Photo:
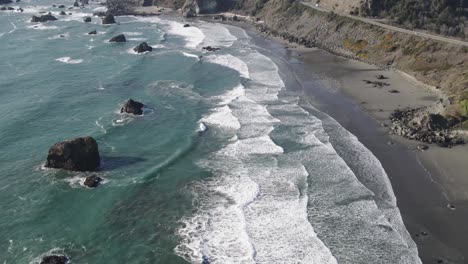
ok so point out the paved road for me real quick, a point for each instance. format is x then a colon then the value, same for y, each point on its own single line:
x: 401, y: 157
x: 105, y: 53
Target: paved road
x: 373, y: 22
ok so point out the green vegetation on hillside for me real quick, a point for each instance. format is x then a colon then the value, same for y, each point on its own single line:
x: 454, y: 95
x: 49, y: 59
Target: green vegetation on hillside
x: 446, y: 17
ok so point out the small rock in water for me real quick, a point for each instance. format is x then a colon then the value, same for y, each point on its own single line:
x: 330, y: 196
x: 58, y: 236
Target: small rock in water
x: 132, y: 107
x: 61, y: 6
x: 209, y: 48
x: 76, y: 4
x: 108, y: 19
x: 119, y: 38
x: 143, y: 47
x: 92, y: 181
x: 62, y: 13
x: 54, y: 259
x: 394, y: 91
x: 43, y: 18
x: 186, y: 25
x: 87, y: 19
x: 423, y: 147
x: 451, y: 206
x: 94, y: 32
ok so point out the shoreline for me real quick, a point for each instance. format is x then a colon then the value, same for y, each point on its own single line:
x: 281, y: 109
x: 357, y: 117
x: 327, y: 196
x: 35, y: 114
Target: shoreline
x: 423, y: 182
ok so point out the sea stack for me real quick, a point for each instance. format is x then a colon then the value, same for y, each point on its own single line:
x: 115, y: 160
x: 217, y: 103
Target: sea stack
x: 108, y: 19
x: 132, y: 107
x: 143, y: 47
x: 79, y: 154
x: 119, y: 38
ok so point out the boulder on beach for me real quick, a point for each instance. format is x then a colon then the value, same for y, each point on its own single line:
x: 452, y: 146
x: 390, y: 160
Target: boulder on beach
x: 92, y: 181
x: 119, y: 38
x: 87, y: 19
x: 434, y: 122
x: 143, y: 47
x: 132, y: 107
x: 190, y: 9
x: 108, y: 19
x: 54, y: 259
x: 79, y: 154
x: 94, y: 32
x: 43, y: 18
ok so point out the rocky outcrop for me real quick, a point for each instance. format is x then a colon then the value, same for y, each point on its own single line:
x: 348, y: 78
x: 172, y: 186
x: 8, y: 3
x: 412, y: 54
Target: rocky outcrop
x: 43, y: 18
x: 108, y: 19
x: 143, y: 47
x: 418, y: 124
x: 92, y: 181
x: 132, y: 107
x: 190, y: 9
x: 54, y: 259
x: 119, y: 38
x: 79, y: 154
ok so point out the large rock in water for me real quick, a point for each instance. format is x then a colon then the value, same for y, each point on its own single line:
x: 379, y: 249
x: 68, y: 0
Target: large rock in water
x: 92, y: 181
x: 132, y: 107
x: 79, y: 154
x: 119, y: 38
x: 54, y: 259
x: 190, y: 9
x: 43, y: 18
x: 108, y: 19
x: 143, y: 47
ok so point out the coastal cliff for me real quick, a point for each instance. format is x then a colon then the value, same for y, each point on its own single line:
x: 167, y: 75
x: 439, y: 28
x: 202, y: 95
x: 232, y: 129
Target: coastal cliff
x: 435, y: 63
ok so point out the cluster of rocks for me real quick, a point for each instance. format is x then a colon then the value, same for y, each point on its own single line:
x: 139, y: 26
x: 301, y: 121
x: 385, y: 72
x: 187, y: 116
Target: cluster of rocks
x: 9, y: 8
x: 418, y: 124
x: 82, y: 154
x: 376, y: 83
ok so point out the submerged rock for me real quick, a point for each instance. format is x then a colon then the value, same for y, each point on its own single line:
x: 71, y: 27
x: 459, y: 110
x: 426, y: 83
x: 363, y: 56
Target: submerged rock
x: 94, y: 32
x: 92, y: 181
x: 132, y: 107
x: 108, y: 19
x: 43, y: 18
x: 119, y: 38
x: 87, y: 19
x: 79, y: 154
x: 143, y: 47
x: 54, y: 259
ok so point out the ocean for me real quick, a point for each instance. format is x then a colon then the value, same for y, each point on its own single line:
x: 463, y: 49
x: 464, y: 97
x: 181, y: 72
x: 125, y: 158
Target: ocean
x: 226, y: 165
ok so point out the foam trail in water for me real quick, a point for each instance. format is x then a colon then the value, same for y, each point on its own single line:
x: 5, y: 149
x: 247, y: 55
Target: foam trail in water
x: 68, y: 60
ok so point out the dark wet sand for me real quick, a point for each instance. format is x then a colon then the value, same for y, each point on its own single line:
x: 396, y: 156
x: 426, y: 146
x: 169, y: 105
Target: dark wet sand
x: 334, y: 85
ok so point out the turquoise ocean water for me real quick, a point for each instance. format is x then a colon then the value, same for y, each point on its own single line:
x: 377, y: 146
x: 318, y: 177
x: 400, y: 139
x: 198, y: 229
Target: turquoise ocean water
x: 225, y: 166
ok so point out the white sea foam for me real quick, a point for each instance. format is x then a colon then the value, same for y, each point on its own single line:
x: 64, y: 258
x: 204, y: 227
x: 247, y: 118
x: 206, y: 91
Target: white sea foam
x: 190, y: 55
x: 137, y: 39
x: 230, y: 62
x: 42, y: 26
x: 68, y: 60
x: 217, y: 35
x: 192, y: 35
x: 222, y: 117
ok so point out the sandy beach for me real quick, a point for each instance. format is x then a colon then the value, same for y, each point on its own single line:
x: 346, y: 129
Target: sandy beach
x: 430, y: 185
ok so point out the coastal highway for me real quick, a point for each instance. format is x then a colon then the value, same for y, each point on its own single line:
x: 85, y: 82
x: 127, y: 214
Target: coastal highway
x: 402, y: 30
